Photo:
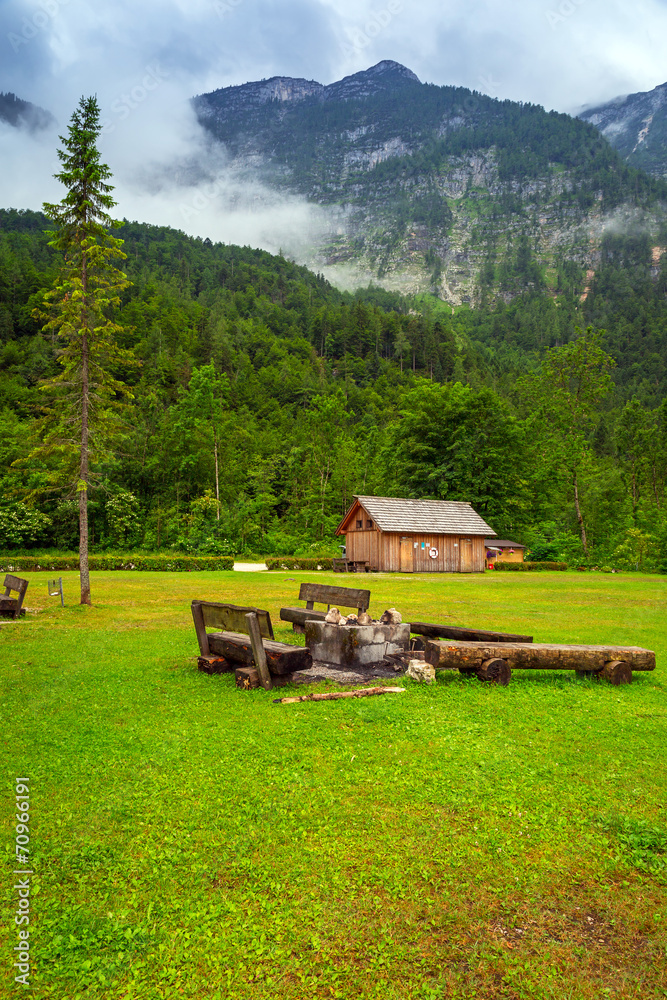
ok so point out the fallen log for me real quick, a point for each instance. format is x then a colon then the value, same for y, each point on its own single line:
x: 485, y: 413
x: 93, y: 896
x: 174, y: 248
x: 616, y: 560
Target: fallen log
x: 464, y: 634
x: 281, y: 658
x: 336, y: 695
x: 469, y: 656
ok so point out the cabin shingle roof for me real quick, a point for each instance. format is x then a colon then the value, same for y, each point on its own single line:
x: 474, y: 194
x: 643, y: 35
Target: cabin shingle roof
x: 434, y: 517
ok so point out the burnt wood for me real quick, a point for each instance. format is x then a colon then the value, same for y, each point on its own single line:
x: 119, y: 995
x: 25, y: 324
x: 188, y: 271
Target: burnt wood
x: 453, y: 654
x: 464, y: 634
x: 281, y: 658
x: 9, y: 604
x: 214, y: 664
x: 247, y: 678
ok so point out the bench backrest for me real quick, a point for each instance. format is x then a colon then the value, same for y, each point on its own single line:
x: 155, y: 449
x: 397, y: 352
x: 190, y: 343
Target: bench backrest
x: 344, y: 597
x: 226, y: 618
x: 17, y: 584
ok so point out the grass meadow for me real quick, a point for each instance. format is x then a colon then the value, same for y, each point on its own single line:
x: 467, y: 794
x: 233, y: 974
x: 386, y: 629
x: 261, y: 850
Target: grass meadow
x: 460, y: 840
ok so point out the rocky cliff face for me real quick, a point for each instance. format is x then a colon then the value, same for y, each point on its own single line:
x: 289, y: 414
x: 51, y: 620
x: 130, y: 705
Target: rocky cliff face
x: 636, y: 126
x: 435, y: 188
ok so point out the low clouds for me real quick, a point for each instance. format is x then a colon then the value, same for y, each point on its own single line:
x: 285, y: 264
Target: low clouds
x: 144, y: 61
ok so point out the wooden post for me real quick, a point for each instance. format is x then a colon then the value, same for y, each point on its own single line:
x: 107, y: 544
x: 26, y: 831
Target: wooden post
x: 258, y: 653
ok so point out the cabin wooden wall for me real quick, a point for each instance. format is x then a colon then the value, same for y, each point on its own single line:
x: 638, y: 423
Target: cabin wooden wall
x: 382, y: 551
x: 363, y: 545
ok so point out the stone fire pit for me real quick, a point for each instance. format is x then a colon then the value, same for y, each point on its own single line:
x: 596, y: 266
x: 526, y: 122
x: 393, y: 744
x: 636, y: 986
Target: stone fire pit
x: 355, y: 646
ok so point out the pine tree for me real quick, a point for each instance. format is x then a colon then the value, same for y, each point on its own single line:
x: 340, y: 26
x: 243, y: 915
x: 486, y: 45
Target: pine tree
x: 79, y: 417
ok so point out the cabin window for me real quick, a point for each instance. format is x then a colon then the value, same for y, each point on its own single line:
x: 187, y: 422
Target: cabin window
x: 369, y: 524
x: 360, y: 524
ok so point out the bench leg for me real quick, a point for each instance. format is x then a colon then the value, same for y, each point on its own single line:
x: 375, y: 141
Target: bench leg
x: 258, y: 651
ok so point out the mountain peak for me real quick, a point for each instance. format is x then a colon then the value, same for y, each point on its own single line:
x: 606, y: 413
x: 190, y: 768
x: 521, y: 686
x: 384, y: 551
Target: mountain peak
x: 385, y: 75
x: 228, y: 101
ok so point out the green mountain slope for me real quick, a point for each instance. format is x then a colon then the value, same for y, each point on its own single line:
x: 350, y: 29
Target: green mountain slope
x: 436, y: 188
x: 321, y: 394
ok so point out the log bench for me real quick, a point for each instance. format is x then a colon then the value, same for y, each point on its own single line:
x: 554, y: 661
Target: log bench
x: 12, y: 607
x: 470, y: 634
x: 246, y: 639
x: 320, y: 593
x: 494, y: 661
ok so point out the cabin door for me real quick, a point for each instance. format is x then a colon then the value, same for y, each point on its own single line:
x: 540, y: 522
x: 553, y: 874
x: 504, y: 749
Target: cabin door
x: 465, y: 549
x: 407, y: 556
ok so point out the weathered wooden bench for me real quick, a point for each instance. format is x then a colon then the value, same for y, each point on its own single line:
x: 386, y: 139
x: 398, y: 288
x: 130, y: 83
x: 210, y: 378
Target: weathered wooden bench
x: 470, y: 634
x: 350, y: 565
x: 494, y: 661
x: 13, y: 606
x: 246, y: 638
x: 320, y: 593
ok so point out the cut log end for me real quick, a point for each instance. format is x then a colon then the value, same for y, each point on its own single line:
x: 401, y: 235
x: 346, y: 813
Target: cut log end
x: 496, y: 670
x: 247, y: 678
x: 214, y: 664
x: 617, y: 672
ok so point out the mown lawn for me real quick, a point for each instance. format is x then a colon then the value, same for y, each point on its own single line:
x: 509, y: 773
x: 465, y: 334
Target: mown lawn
x: 456, y: 841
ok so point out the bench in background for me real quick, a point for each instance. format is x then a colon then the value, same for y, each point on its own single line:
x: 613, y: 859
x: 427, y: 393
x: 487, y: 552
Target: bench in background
x: 13, y: 606
x: 320, y: 593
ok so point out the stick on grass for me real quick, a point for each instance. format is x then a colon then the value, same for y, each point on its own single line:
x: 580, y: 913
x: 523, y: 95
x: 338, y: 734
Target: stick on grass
x: 335, y: 695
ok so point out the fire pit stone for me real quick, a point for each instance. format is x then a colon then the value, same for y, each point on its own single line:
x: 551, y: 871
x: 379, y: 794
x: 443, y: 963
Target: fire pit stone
x: 355, y: 645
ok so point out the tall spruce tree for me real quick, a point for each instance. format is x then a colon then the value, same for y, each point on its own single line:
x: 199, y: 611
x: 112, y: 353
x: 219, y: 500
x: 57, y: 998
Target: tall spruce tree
x: 79, y: 416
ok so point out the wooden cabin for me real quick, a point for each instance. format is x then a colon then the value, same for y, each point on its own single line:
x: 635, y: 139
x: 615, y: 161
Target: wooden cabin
x: 502, y: 550
x: 391, y: 535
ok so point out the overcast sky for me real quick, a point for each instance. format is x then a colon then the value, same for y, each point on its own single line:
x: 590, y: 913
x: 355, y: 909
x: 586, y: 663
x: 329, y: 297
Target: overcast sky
x: 564, y: 54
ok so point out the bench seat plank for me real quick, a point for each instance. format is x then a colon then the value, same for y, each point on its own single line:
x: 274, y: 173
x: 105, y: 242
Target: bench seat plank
x: 301, y: 615
x: 469, y: 634
x: 281, y: 658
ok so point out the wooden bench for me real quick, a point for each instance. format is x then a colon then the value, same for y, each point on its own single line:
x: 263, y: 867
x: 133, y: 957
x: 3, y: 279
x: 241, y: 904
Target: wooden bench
x: 350, y: 565
x: 469, y: 634
x: 494, y: 661
x: 13, y: 606
x: 246, y: 638
x: 339, y: 597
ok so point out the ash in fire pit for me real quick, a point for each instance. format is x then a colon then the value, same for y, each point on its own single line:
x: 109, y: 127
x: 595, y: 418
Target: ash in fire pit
x: 350, y: 642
